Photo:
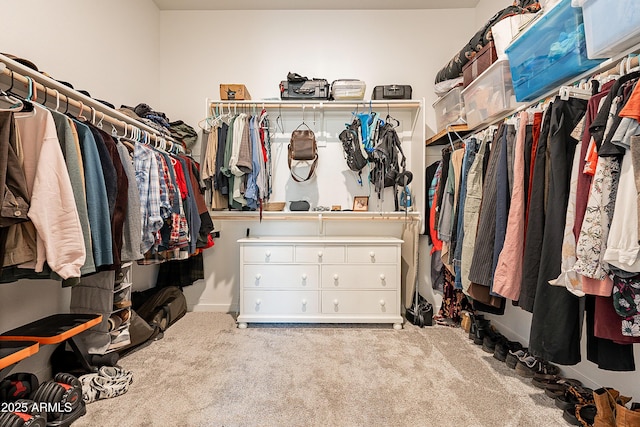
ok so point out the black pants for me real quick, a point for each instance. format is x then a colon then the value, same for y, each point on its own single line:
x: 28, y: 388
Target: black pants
x: 556, y: 324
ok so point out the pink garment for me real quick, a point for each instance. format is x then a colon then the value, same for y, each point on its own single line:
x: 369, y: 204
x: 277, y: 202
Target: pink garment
x: 53, y: 209
x: 602, y: 288
x: 508, y: 274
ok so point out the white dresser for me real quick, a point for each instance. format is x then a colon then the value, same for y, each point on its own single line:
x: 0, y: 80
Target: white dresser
x: 320, y: 280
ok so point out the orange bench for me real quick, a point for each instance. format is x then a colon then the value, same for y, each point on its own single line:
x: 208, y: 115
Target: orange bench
x: 11, y: 352
x: 55, y: 329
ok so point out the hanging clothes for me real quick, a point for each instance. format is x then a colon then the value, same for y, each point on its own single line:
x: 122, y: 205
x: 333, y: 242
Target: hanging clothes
x: 59, y: 240
x: 556, y: 324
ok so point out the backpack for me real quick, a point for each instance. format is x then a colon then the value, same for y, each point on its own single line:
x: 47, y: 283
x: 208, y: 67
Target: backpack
x: 385, y: 157
x: 162, y: 307
x: 352, y: 147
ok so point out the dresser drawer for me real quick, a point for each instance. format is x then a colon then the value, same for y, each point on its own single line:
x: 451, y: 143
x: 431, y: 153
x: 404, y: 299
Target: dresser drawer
x: 360, y: 302
x: 320, y: 254
x: 268, y: 254
x: 280, y: 302
x: 372, y: 254
x: 279, y: 276
x: 380, y: 276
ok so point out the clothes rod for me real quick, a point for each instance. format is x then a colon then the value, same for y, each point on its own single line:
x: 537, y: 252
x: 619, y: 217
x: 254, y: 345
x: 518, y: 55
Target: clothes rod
x: 58, y: 95
x: 325, y: 216
x: 318, y: 103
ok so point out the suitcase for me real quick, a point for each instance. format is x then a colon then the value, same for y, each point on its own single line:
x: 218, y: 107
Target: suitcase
x: 391, y: 92
x: 308, y: 89
x: 348, y: 89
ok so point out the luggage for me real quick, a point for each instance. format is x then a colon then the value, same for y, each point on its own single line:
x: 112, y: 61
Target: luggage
x: 347, y: 89
x: 162, y: 307
x: 308, y: 89
x: 391, y: 92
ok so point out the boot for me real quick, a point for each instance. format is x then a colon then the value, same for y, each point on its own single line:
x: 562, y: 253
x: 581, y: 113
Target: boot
x: 628, y: 417
x: 482, y: 326
x: 474, y: 324
x: 606, y: 399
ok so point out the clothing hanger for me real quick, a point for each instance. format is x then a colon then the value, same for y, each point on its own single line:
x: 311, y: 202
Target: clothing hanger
x: 99, y: 125
x: 15, y: 103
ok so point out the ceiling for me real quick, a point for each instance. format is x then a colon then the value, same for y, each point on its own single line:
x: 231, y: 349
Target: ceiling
x: 312, y: 4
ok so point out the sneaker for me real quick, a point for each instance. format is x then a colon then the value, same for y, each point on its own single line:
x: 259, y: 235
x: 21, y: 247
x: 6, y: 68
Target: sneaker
x: 108, y: 382
x: 531, y: 365
x: 490, y: 340
x: 503, y: 347
x: 514, y: 356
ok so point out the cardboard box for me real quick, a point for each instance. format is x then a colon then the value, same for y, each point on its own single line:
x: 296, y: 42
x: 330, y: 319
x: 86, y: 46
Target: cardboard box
x: 234, y: 92
x: 483, y: 59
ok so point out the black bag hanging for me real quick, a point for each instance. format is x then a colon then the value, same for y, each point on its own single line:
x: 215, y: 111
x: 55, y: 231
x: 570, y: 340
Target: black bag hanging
x: 353, y: 149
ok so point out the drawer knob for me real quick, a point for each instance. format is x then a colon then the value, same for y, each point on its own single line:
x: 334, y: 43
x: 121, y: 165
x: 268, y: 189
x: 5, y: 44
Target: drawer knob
x: 304, y: 276
x: 320, y: 254
x: 304, y: 302
x: 382, y: 277
x: 267, y: 254
x: 258, y: 276
x: 258, y: 302
x: 382, y: 303
x: 335, y: 276
x: 335, y: 302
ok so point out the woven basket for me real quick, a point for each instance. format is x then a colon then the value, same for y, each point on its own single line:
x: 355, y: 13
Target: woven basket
x: 274, y: 206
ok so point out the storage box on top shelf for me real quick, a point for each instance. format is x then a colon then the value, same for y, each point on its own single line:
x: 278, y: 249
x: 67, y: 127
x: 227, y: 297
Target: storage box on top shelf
x: 610, y: 27
x: 550, y: 52
x: 490, y: 95
x: 449, y: 109
x: 348, y: 89
x: 234, y: 92
x: 483, y: 59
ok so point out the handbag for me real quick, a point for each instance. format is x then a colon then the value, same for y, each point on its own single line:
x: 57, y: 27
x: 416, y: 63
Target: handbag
x: 421, y: 312
x: 303, y: 147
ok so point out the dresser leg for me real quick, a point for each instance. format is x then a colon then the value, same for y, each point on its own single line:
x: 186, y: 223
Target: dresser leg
x: 242, y: 325
x: 397, y: 326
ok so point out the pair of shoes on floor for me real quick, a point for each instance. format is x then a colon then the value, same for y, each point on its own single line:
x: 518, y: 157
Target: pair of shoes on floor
x: 503, y: 347
x: 108, y: 382
x: 529, y: 365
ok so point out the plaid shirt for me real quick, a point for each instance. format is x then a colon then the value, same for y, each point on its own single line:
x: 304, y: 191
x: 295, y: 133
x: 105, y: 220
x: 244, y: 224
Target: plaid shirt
x: 148, y: 181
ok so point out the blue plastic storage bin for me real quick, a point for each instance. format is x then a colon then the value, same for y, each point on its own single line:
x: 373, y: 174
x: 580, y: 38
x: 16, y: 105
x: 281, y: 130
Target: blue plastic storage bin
x: 549, y: 53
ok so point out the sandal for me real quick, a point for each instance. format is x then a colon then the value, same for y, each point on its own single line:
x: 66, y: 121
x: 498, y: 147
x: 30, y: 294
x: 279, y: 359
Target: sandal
x: 560, y: 386
x: 575, y: 395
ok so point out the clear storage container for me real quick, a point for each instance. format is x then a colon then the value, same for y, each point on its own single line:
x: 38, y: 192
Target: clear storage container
x: 610, y: 27
x: 348, y: 89
x: 449, y: 109
x: 550, y: 52
x: 490, y: 95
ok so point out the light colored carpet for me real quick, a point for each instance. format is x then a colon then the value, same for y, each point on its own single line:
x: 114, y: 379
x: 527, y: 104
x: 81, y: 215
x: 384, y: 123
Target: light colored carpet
x: 205, y: 372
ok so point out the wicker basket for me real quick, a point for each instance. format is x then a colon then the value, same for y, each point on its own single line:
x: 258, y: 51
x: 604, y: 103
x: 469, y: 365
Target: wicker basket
x: 274, y: 206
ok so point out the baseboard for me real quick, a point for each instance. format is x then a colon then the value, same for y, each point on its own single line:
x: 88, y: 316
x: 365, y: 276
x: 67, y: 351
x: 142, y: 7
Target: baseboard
x: 217, y: 308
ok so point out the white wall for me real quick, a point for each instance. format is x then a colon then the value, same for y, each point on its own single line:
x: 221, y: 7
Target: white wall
x: 259, y: 48
x: 109, y: 48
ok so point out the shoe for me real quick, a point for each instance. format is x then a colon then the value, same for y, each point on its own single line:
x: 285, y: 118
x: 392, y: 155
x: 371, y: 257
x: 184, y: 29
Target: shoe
x: 531, y: 365
x: 108, y: 382
x: 606, y: 399
x: 490, y: 340
x: 628, y: 417
x: 482, y: 326
x: 474, y: 324
x: 575, y: 395
x: 514, y: 356
x: 558, y: 387
x: 580, y: 415
x: 503, y: 347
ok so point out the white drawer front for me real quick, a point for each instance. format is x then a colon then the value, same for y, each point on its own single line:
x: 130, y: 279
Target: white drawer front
x: 268, y: 254
x: 359, y: 302
x: 382, y: 276
x: 320, y: 254
x: 280, y: 302
x: 372, y: 254
x: 280, y: 276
